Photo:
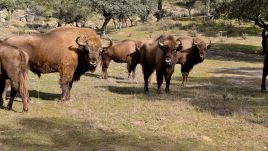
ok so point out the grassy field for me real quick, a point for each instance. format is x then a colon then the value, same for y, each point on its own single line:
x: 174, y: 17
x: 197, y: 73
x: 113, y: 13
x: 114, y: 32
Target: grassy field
x: 222, y: 107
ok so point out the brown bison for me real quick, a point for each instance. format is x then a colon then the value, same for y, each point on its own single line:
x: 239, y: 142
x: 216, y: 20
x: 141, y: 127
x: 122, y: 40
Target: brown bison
x: 193, y: 52
x: 121, y: 52
x: 71, y: 51
x: 160, y: 55
x: 14, y: 66
x: 265, y: 62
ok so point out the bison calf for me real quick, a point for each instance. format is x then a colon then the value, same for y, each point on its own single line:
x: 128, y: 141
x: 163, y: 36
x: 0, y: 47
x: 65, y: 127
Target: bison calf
x: 121, y: 52
x: 192, y: 53
x: 14, y: 66
x: 160, y: 55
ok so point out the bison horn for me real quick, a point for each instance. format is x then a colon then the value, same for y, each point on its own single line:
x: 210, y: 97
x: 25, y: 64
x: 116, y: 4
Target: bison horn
x: 194, y: 43
x: 161, y: 43
x: 79, y: 43
x: 111, y: 43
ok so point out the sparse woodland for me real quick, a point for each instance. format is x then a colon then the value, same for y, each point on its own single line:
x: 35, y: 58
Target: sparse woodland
x: 222, y: 107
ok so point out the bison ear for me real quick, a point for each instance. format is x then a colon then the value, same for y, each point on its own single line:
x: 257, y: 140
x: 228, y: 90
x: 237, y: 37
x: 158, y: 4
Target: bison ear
x: 179, y: 45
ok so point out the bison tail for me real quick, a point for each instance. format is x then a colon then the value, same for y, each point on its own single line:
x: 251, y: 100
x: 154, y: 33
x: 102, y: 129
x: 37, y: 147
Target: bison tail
x: 23, y: 84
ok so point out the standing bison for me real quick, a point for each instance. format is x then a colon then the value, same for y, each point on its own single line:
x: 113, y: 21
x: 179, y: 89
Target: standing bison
x: 121, y: 52
x: 265, y: 62
x: 192, y: 53
x: 71, y: 51
x: 160, y: 55
x: 14, y: 66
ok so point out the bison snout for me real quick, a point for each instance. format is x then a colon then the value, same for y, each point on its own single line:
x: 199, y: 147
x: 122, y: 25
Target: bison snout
x: 93, y: 63
x: 168, y: 62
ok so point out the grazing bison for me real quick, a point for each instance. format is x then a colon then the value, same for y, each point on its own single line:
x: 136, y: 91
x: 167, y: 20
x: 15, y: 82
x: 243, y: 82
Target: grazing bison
x: 14, y: 66
x: 121, y: 52
x: 160, y: 55
x: 71, y: 51
x: 265, y: 62
x: 192, y: 53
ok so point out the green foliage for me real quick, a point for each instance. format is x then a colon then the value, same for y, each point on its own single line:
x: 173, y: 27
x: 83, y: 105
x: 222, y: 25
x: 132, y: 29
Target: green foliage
x: 254, y: 10
x: 66, y: 11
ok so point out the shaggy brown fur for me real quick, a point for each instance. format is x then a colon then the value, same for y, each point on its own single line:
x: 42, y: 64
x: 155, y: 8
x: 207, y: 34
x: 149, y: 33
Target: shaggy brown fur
x: 192, y: 53
x: 121, y: 52
x: 71, y: 51
x: 14, y: 66
x: 160, y: 55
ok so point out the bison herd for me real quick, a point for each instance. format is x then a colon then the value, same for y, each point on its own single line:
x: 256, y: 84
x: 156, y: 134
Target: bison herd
x: 72, y: 51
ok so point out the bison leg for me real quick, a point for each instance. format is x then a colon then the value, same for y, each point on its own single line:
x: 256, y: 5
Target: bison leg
x: 105, y: 66
x: 12, y: 97
x: 184, y: 78
x: 167, y: 79
x: 65, y: 89
x: 146, y: 75
x: 159, y: 77
x: 4, y: 94
x: 2, y: 88
x: 68, y: 97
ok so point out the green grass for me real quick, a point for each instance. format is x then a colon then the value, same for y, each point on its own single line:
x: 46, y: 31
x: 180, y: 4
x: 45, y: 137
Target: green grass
x: 222, y: 107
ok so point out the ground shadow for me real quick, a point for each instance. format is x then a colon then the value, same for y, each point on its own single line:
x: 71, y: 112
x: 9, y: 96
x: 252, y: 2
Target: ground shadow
x: 100, y: 76
x: 234, y: 52
x: 44, y: 95
x: 231, y: 91
x: 64, y: 134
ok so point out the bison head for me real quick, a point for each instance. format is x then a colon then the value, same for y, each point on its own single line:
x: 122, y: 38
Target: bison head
x: 90, y: 52
x: 105, y: 47
x: 201, y: 48
x: 169, y: 45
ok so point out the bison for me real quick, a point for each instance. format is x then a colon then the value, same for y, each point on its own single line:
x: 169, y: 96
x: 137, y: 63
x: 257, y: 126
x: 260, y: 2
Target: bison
x: 265, y: 62
x: 14, y: 66
x: 121, y: 52
x: 159, y: 55
x: 71, y: 51
x: 192, y: 53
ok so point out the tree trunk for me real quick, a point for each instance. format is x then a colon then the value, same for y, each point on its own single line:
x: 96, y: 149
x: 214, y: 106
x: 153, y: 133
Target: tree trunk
x: 190, y: 12
x: 208, y: 8
x: 144, y: 17
x: 160, y: 12
x: 107, y: 17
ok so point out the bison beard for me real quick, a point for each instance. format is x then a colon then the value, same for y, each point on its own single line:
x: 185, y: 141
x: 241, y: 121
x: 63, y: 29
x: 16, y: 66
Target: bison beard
x: 61, y: 50
x: 14, y: 64
x: 161, y: 55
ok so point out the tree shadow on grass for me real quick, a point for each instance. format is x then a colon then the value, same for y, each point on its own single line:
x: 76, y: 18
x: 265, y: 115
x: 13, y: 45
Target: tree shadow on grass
x: 65, y: 134
x: 234, y: 52
x: 230, y: 92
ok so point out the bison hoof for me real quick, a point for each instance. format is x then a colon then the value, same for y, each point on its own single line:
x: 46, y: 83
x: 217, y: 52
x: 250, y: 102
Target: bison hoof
x: 9, y: 107
x: 1, y: 103
x: 25, y: 109
x: 159, y: 91
x: 167, y: 91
